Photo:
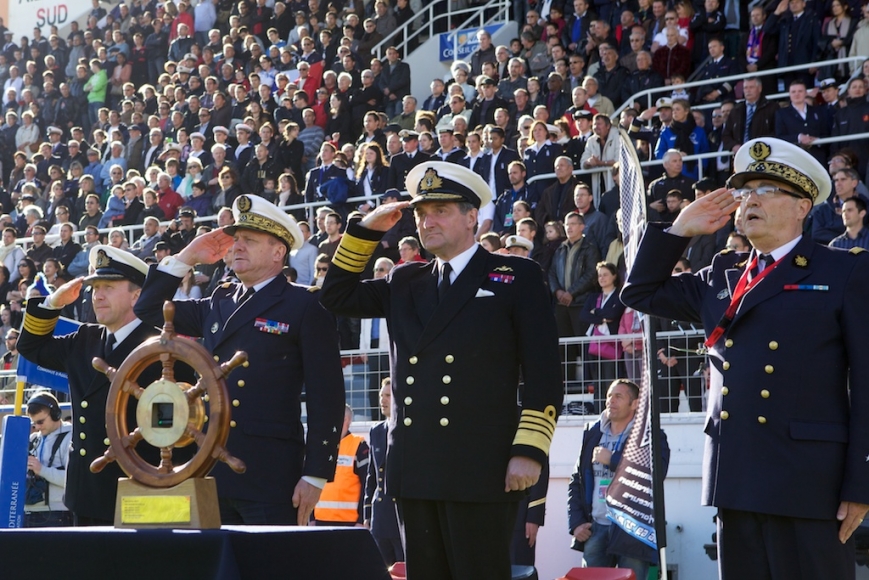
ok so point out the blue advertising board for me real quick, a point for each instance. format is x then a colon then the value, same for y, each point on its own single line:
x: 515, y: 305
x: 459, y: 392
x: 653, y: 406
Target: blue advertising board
x: 31, y: 372
x: 465, y: 43
x: 13, y: 470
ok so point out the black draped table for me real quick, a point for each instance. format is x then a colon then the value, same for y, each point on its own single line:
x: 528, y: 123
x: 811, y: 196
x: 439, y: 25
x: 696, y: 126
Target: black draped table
x: 230, y: 553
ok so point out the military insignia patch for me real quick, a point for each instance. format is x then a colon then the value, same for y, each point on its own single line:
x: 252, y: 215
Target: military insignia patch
x: 801, y: 261
x: 103, y: 261
x: 503, y: 269
x: 214, y: 328
x: 760, y: 151
x: 430, y: 181
x: 271, y: 326
x: 244, y: 203
x: 723, y: 294
x: 502, y: 278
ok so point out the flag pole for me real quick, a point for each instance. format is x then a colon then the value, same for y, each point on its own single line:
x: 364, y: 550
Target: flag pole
x: 635, y: 498
x: 656, y: 388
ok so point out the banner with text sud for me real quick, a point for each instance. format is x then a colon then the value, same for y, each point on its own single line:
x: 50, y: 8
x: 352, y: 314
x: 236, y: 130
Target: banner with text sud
x: 464, y: 44
x: 22, y: 16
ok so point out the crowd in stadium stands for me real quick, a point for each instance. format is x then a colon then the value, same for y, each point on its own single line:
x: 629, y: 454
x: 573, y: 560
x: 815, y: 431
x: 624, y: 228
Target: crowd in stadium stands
x: 153, y: 112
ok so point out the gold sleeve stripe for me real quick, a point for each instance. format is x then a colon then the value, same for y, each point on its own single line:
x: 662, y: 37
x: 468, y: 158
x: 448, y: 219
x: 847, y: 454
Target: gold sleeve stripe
x: 529, y: 421
x: 347, y: 263
x: 532, y: 439
x: 536, y: 503
x: 531, y: 428
x: 358, y: 246
x: 547, y: 417
x: 39, y: 326
x: 353, y: 253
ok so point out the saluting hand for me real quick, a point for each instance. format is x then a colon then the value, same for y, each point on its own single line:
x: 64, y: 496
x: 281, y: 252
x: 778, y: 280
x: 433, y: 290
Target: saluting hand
x: 384, y: 217
x: 207, y: 249
x: 706, y: 215
x: 66, y: 294
x: 522, y: 473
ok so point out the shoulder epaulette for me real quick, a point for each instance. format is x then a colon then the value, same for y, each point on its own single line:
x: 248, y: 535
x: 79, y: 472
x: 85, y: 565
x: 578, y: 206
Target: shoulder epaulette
x: 726, y: 251
x: 856, y: 250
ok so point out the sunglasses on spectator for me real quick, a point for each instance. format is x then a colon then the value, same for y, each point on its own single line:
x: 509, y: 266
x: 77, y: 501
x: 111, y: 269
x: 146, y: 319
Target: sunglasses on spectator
x: 323, y: 269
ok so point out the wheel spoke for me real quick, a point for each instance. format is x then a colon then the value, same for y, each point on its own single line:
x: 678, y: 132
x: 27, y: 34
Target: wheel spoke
x: 165, y: 460
x: 234, y: 463
x: 100, y: 463
x: 133, y: 389
x: 196, y: 434
x: 168, y: 367
x: 195, y: 391
x: 131, y: 440
x: 239, y: 358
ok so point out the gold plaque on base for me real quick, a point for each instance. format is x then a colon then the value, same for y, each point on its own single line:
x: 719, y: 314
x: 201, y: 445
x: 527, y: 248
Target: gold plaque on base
x: 192, y: 504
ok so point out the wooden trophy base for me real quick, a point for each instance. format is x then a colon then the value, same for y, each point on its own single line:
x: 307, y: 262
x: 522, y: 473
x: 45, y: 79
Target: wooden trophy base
x: 191, y: 504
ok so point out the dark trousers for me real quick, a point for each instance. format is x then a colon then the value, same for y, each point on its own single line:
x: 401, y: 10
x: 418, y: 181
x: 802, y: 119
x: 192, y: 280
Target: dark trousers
x: 243, y: 511
x: 521, y: 554
x: 457, y: 540
x: 390, y: 549
x: 753, y: 546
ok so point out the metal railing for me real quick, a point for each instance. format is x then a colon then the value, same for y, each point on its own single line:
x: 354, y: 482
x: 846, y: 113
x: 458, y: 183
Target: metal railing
x: 209, y: 219
x: 431, y: 21
x: 649, y: 94
x: 585, y: 377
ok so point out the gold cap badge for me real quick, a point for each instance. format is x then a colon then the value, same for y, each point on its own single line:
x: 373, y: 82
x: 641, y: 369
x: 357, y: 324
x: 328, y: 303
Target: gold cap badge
x: 431, y: 181
x: 760, y: 151
x: 103, y: 260
x: 244, y: 203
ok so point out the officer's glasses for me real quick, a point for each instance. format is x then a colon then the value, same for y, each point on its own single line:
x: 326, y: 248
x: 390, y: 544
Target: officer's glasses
x: 762, y: 192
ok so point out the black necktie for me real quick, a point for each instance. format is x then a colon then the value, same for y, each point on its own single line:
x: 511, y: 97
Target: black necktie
x: 240, y: 299
x: 109, y: 344
x: 444, y: 285
x: 763, y: 261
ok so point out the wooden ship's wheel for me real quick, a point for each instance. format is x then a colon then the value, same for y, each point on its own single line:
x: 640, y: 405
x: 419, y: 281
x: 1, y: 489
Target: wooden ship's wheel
x: 169, y: 414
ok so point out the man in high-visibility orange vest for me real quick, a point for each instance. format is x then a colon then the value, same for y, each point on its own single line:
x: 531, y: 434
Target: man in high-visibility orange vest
x: 342, y: 499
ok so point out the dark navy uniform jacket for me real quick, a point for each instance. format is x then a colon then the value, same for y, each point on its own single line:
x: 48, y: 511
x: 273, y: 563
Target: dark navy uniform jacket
x: 291, y: 342
x: 88, y: 494
x: 782, y: 436
x: 455, y: 368
x: 379, y: 506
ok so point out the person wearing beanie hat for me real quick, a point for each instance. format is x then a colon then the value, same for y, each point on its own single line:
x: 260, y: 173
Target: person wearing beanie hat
x: 770, y: 315
x: 443, y: 316
x: 291, y: 342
